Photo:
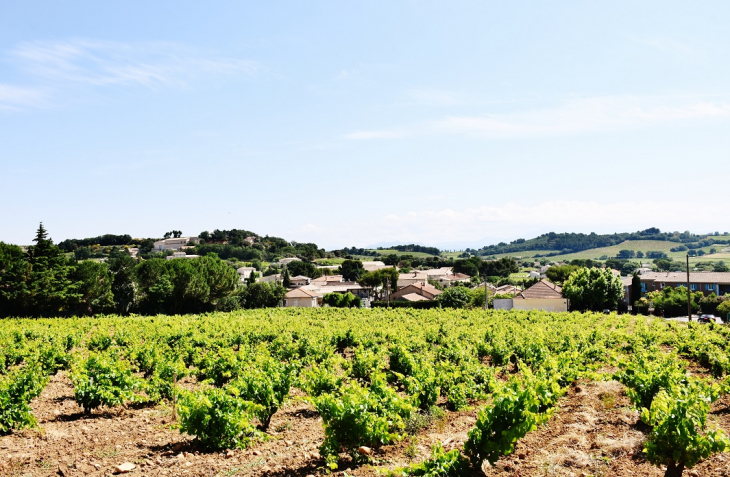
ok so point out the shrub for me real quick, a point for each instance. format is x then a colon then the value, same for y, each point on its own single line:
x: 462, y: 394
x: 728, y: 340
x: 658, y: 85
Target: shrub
x: 217, y: 419
x: 455, y: 297
x: 357, y: 416
x: 266, y: 384
x: 647, y: 374
x: 103, y: 381
x: 678, y: 438
x: 16, y: 391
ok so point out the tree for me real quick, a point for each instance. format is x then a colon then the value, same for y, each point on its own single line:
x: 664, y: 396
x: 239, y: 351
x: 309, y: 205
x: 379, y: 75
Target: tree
x: 378, y: 280
x: 635, y: 291
x: 286, y: 279
x: 307, y: 269
x: 558, y: 274
x: 48, y: 284
x: 673, y: 301
x: 626, y: 254
x: 469, y: 266
x: 455, y: 297
x: 92, y: 288
x: 14, y: 274
x: 351, y: 270
x: 123, y: 287
x: 593, y: 289
x: 262, y: 295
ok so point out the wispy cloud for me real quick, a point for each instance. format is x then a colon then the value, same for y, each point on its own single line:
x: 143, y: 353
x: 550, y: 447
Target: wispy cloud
x: 104, y: 63
x: 14, y: 97
x: 577, y: 116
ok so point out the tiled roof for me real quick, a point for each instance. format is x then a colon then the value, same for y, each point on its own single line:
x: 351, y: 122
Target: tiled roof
x: 301, y: 293
x: 694, y: 277
x: 413, y: 297
x: 542, y: 289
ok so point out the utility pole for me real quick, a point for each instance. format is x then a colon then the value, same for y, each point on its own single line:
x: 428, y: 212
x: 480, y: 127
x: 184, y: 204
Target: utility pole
x: 689, y: 294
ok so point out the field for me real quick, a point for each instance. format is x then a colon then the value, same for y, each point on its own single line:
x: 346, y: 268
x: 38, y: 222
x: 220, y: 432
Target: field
x: 636, y: 245
x: 362, y: 393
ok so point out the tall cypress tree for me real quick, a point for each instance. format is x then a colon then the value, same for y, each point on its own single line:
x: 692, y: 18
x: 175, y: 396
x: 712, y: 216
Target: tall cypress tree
x: 49, y: 288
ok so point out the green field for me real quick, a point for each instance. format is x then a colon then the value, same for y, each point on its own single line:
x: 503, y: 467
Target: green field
x: 636, y: 245
x: 354, y: 381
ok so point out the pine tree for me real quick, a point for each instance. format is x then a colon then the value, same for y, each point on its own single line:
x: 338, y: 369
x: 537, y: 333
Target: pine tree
x: 286, y: 279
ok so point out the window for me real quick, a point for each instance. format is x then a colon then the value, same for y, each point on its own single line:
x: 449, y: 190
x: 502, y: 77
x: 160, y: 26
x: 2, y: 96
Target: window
x: 693, y: 286
x: 709, y: 287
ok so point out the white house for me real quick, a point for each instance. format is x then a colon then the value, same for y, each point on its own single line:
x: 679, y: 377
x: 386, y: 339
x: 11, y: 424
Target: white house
x: 405, y: 279
x: 175, y: 243
x: 245, y: 272
x: 299, y: 281
x: 301, y: 297
x: 180, y: 255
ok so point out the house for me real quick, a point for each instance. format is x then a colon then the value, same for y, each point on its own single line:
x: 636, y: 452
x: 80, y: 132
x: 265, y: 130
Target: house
x: 174, y: 243
x: 277, y: 277
x: 437, y: 273
x: 507, y: 290
x: 453, y: 278
x: 302, y: 297
x: 299, y: 281
x: 180, y: 255
x: 425, y: 290
x: 627, y: 299
x: 706, y: 282
x: 285, y: 261
x: 413, y: 297
x: 133, y: 251
x: 405, y: 279
x: 543, y: 295
x: 535, y: 274
x: 245, y: 272
x: 374, y: 266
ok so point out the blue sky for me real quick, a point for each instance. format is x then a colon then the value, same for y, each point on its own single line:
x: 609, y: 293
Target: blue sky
x: 358, y: 123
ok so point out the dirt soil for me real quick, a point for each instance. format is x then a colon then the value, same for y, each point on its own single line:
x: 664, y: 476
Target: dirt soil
x: 593, y: 432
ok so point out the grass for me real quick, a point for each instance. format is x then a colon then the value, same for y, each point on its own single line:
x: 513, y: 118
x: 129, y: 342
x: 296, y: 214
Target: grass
x: 636, y: 245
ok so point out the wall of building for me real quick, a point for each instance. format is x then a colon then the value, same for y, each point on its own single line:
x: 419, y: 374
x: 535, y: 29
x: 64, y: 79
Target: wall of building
x: 546, y: 304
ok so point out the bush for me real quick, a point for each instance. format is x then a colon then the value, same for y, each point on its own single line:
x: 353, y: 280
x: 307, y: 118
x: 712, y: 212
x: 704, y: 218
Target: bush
x: 103, y: 381
x: 679, y: 438
x: 357, y: 416
x: 723, y: 309
x: 16, y: 391
x: 455, y: 297
x: 265, y: 383
x: 647, y: 374
x: 217, y: 419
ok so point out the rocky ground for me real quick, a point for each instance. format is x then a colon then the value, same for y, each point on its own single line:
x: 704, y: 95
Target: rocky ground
x: 593, y: 432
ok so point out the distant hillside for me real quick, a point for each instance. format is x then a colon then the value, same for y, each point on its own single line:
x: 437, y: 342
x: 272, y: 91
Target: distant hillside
x: 553, y: 244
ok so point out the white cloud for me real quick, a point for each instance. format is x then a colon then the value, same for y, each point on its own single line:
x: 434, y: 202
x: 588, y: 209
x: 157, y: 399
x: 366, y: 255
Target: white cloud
x: 14, y: 97
x: 480, y: 226
x: 579, y: 116
x: 104, y: 63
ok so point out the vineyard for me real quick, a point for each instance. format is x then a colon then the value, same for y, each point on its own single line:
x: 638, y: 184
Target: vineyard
x: 364, y: 392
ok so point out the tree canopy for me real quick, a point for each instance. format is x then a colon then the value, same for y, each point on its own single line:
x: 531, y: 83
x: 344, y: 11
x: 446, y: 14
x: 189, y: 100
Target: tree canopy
x: 593, y: 289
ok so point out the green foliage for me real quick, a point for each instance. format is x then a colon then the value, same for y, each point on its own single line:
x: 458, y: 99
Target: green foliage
x: 455, y: 297
x: 679, y: 437
x: 672, y: 301
x: 217, y: 418
x: 103, y: 380
x: 593, y: 289
x: 559, y: 274
x: 356, y: 416
x: 351, y: 270
x: 646, y: 374
x: 441, y: 464
x: 16, y: 391
x: 266, y: 384
x: 341, y: 300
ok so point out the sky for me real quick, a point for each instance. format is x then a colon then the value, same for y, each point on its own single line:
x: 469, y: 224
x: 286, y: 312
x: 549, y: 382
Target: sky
x: 452, y: 124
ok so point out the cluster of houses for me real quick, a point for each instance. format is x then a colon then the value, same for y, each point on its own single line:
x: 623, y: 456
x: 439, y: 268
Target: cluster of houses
x: 705, y: 282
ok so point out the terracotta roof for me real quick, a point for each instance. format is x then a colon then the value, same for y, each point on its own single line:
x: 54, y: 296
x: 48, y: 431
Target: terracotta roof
x: 301, y: 293
x: 413, y: 297
x: 694, y: 277
x: 427, y: 288
x: 542, y: 289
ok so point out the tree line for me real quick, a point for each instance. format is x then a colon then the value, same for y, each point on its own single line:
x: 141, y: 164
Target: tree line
x: 42, y: 281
